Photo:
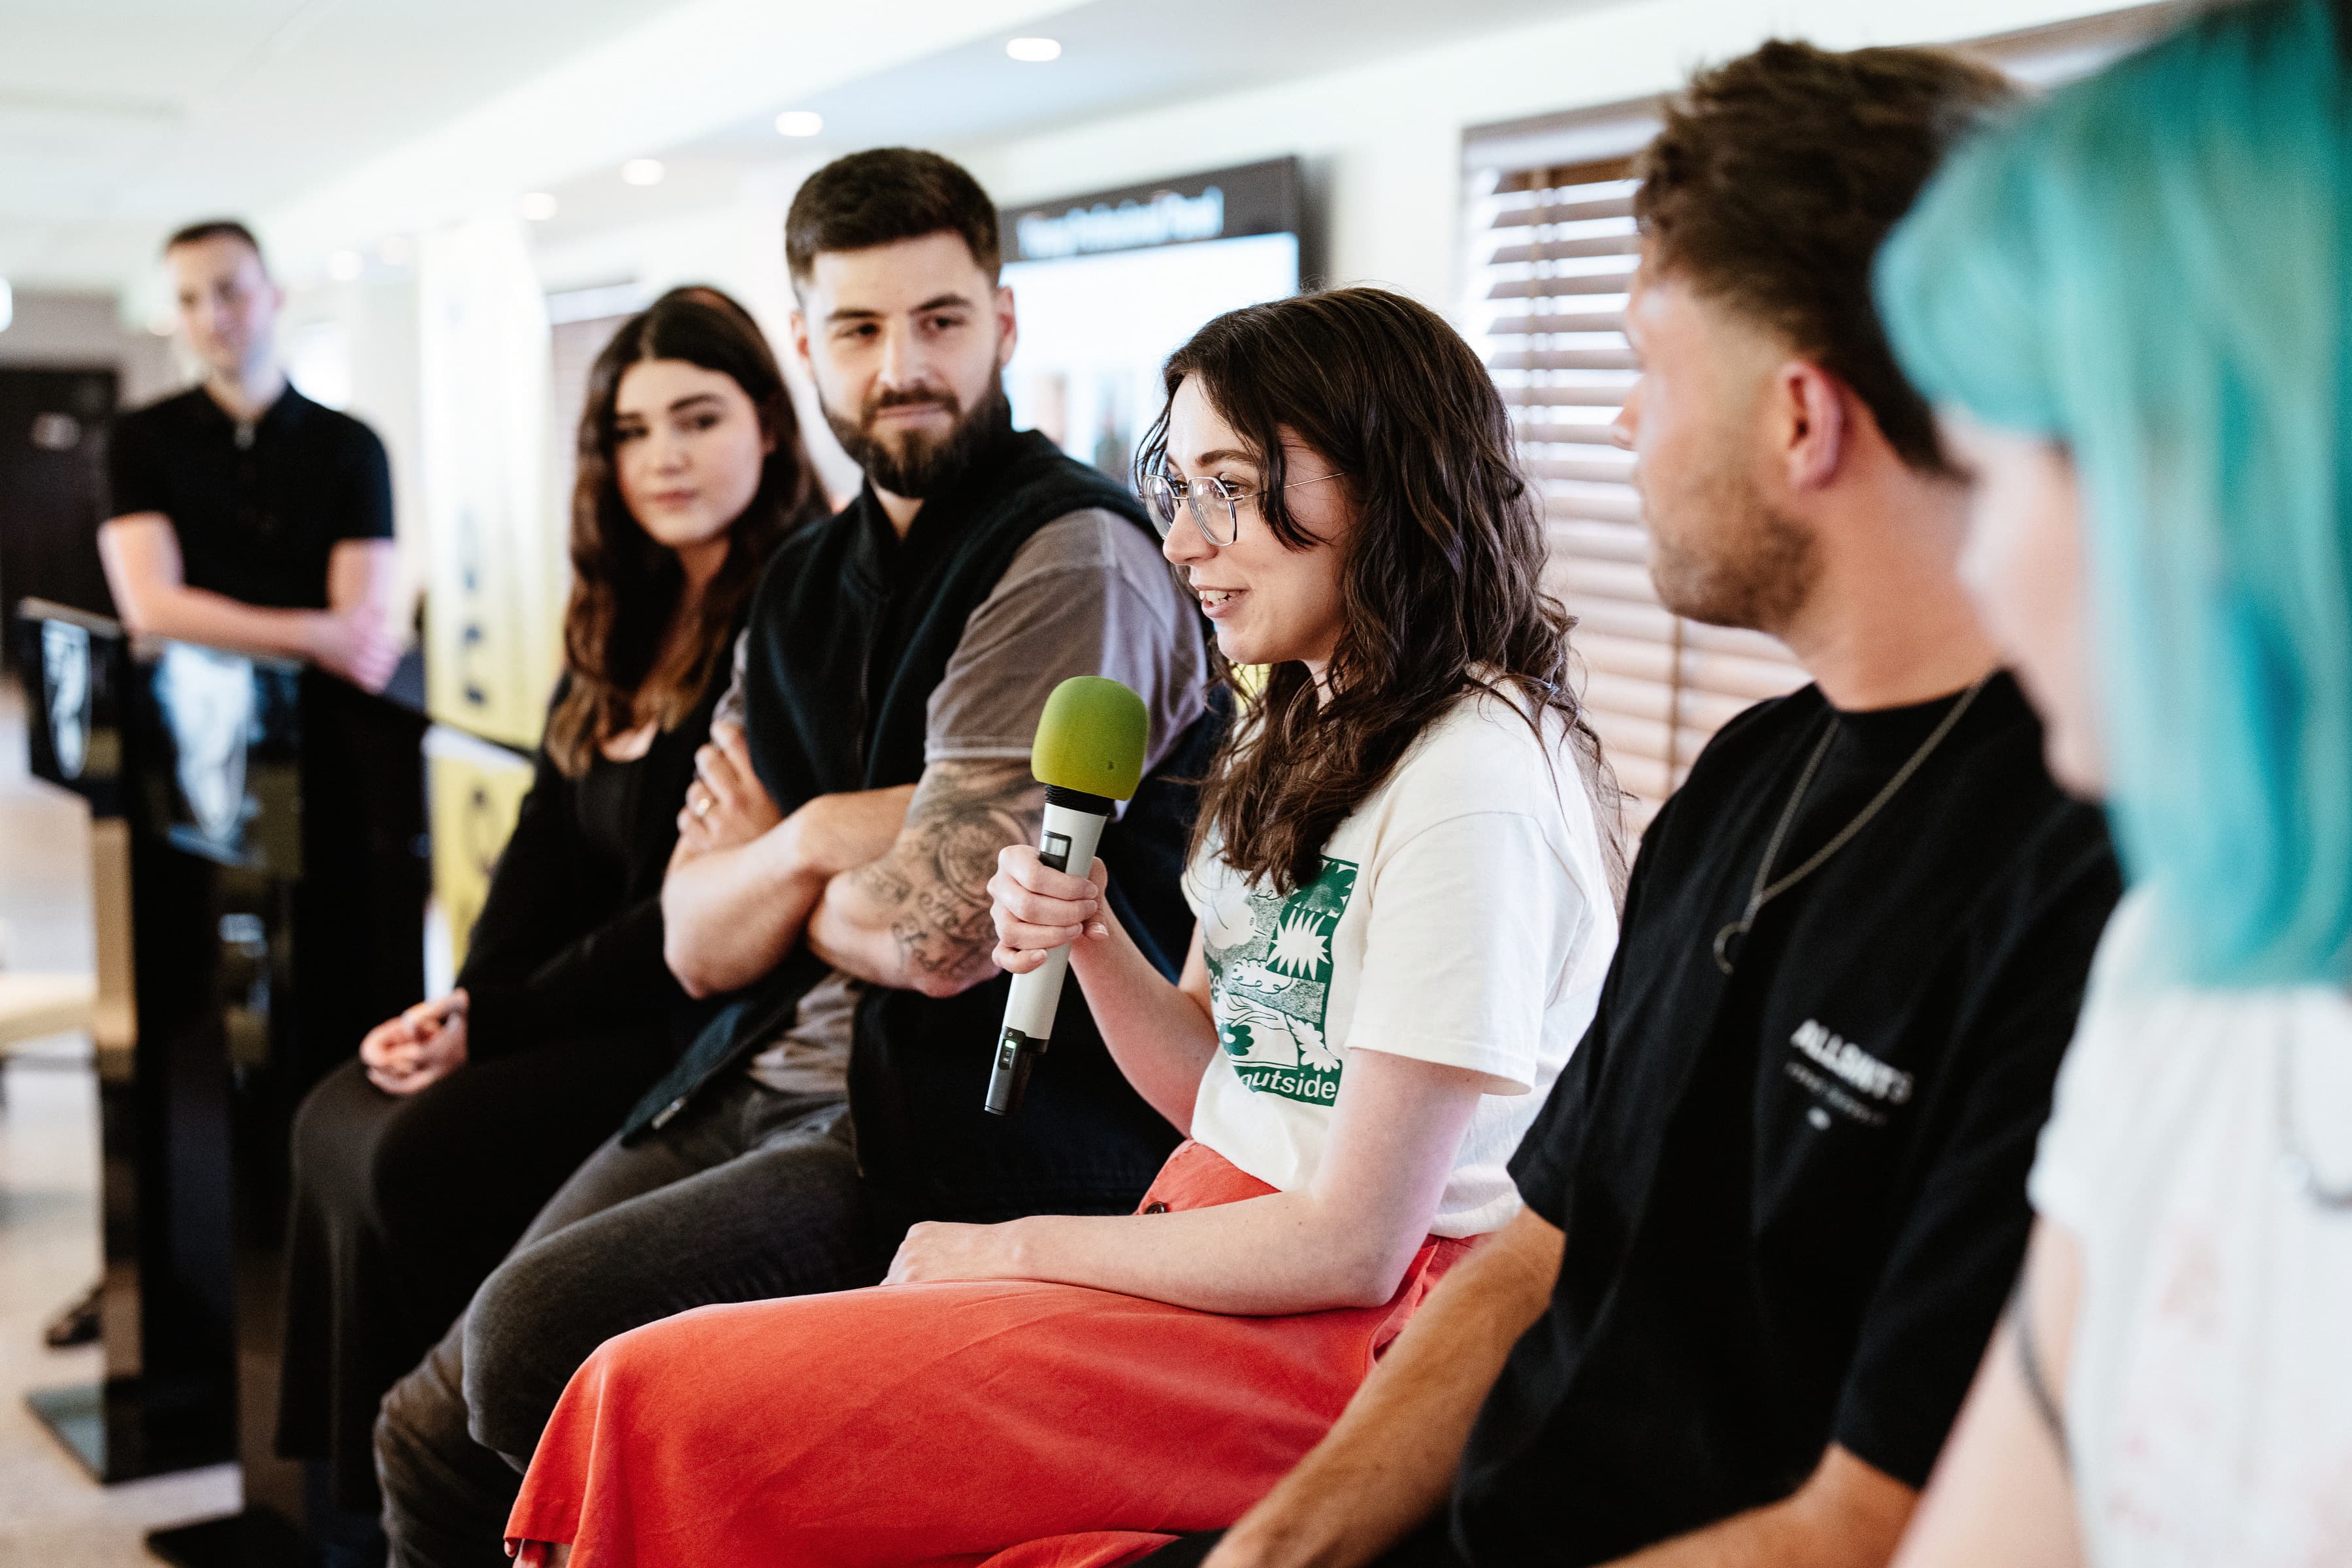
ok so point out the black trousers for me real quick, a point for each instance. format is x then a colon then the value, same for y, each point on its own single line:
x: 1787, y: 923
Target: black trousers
x: 746, y: 1196
x: 402, y: 1205
x: 1428, y: 1547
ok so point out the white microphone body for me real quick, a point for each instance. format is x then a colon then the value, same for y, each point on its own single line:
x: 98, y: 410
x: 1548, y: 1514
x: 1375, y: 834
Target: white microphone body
x: 1066, y: 842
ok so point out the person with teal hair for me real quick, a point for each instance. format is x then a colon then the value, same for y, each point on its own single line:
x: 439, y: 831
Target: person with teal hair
x: 2130, y: 307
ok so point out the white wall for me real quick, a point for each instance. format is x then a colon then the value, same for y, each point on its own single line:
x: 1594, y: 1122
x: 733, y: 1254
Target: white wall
x: 377, y: 320
x: 1383, y: 141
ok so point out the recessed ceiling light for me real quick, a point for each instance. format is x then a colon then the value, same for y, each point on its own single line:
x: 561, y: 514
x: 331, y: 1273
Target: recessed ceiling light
x: 800, y: 122
x: 344, y: 266
x: 641, y: 172
x: 536, y: 205
x: 1036, y: 51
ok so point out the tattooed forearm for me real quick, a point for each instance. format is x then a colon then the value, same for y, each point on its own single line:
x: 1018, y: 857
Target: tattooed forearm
x: 930, y: 892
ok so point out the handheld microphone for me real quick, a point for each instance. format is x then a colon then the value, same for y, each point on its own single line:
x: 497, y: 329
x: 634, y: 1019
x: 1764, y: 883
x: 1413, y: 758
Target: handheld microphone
x: 1089, y: 756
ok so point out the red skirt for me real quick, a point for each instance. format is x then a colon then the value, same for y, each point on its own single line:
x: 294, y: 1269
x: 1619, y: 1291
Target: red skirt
x: 947, y: 1422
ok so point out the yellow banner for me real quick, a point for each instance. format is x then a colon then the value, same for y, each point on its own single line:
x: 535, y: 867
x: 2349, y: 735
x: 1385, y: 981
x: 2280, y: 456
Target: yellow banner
x: 496, y: 546
x: 476, y: 792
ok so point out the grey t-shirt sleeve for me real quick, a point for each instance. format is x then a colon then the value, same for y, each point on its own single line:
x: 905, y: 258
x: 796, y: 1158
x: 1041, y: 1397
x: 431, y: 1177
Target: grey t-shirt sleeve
x: 730, y: 701
x: 1089, y: 593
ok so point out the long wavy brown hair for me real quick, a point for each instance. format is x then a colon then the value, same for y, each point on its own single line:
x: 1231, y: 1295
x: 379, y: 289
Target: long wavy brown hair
x: 625, y: 585
x: 1440, y: 587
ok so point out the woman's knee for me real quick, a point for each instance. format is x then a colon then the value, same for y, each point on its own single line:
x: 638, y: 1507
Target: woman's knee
x: 338, y: 1128
x: 391, y: 1158
x: 410, y: 1165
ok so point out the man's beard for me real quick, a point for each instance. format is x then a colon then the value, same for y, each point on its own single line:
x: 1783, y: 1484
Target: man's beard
x: 917, y: 463
x: 1755, y: 568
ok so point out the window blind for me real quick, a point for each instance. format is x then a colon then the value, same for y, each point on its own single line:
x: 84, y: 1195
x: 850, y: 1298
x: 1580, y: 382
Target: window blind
x: 1553, y: 247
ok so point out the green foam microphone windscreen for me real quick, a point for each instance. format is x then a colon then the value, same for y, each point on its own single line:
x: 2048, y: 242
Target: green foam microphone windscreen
x: 1091, y: 738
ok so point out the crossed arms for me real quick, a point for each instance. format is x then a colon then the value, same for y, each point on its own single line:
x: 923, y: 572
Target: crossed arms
x: 890, y: 886
x: 352, y: 636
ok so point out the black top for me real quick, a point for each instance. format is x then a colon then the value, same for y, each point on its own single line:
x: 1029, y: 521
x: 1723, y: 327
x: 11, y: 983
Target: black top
x: 1794, y: 1199
x: 257, y: 511
x: 570, y: 938
x: 851, y: 633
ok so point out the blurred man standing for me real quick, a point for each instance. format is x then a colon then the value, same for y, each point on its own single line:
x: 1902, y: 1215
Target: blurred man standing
x: 242, y: 513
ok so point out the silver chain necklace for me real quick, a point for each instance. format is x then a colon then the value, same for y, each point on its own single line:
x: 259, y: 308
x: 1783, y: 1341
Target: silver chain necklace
x: 2296, y: 1163
x: 1766, y: 889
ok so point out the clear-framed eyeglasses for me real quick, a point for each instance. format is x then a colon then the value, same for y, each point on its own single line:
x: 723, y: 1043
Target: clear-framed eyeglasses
x: 1215, y: 506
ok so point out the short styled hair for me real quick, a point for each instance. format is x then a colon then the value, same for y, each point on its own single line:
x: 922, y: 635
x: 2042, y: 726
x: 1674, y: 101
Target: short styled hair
x: 215, y: 228
x: 1777, y: 175
x: 883, y: 195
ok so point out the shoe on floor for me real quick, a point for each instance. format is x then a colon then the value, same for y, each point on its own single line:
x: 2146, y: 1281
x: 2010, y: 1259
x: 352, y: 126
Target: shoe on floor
x: 76, y: 1325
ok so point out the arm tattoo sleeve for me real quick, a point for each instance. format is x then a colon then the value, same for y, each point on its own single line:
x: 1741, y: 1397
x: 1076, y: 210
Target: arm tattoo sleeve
x: 931, y: 889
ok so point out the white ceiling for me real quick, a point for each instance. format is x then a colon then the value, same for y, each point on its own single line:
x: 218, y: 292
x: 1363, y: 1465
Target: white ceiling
x: 341, y: 122
x: 1117, y: 54
x: 120, y: 118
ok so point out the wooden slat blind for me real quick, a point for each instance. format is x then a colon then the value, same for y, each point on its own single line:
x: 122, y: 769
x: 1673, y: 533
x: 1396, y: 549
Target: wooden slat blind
x: 1552, y: 249
x: 1552, y: 244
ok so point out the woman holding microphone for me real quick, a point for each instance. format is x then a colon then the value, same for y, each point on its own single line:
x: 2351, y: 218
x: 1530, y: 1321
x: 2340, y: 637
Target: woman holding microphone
x: 1404, y: 876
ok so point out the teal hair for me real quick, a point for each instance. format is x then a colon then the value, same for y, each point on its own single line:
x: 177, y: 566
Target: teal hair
x: 2149, y: 268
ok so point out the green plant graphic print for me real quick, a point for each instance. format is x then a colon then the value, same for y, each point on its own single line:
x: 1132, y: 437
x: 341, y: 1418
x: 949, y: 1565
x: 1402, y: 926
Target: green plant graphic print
x: 1270, y: 982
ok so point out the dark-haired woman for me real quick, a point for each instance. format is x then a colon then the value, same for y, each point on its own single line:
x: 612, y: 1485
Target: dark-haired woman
x: 416, y: 1166
x: 1404, y: 888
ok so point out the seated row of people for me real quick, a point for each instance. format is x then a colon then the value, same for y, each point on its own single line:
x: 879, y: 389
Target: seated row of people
x: 1771, y: 1205
x: 1519, y: 1213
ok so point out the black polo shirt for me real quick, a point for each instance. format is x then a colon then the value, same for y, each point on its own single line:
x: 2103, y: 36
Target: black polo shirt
x: 1794, y: 1199
x: 257, y: 511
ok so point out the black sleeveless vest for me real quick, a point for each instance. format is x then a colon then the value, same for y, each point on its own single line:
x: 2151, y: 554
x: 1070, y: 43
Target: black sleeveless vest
x: 851, y: 629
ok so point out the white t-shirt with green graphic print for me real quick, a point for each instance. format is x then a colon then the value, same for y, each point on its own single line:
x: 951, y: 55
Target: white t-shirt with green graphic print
x: 1463, y: 915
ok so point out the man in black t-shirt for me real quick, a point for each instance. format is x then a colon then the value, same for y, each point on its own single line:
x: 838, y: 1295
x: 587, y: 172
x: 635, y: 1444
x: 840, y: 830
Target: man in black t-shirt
x: 1777, y: 1195
x: 242, y: 513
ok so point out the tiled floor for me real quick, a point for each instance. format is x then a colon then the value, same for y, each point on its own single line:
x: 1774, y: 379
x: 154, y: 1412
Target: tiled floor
x: 51, y: 1514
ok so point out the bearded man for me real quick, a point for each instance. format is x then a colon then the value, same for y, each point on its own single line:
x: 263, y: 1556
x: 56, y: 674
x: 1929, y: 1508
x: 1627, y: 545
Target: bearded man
x: 832, y: 861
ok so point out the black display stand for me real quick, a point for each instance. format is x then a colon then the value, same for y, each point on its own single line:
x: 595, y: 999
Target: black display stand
x: 275, y: 823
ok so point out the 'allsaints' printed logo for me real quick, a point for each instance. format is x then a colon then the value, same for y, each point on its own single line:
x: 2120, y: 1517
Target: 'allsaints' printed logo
x: 1270, y: 983
x: 1851, y: 1063
x: 1834, y: 1069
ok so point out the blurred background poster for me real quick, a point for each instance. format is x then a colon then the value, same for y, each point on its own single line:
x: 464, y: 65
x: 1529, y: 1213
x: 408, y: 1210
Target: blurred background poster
x: 498, y: 572
x: 497, y: 579
x: 1109, y: 283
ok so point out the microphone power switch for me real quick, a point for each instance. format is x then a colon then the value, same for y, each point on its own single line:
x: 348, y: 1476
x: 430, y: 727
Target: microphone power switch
x: 1008, y: 1078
